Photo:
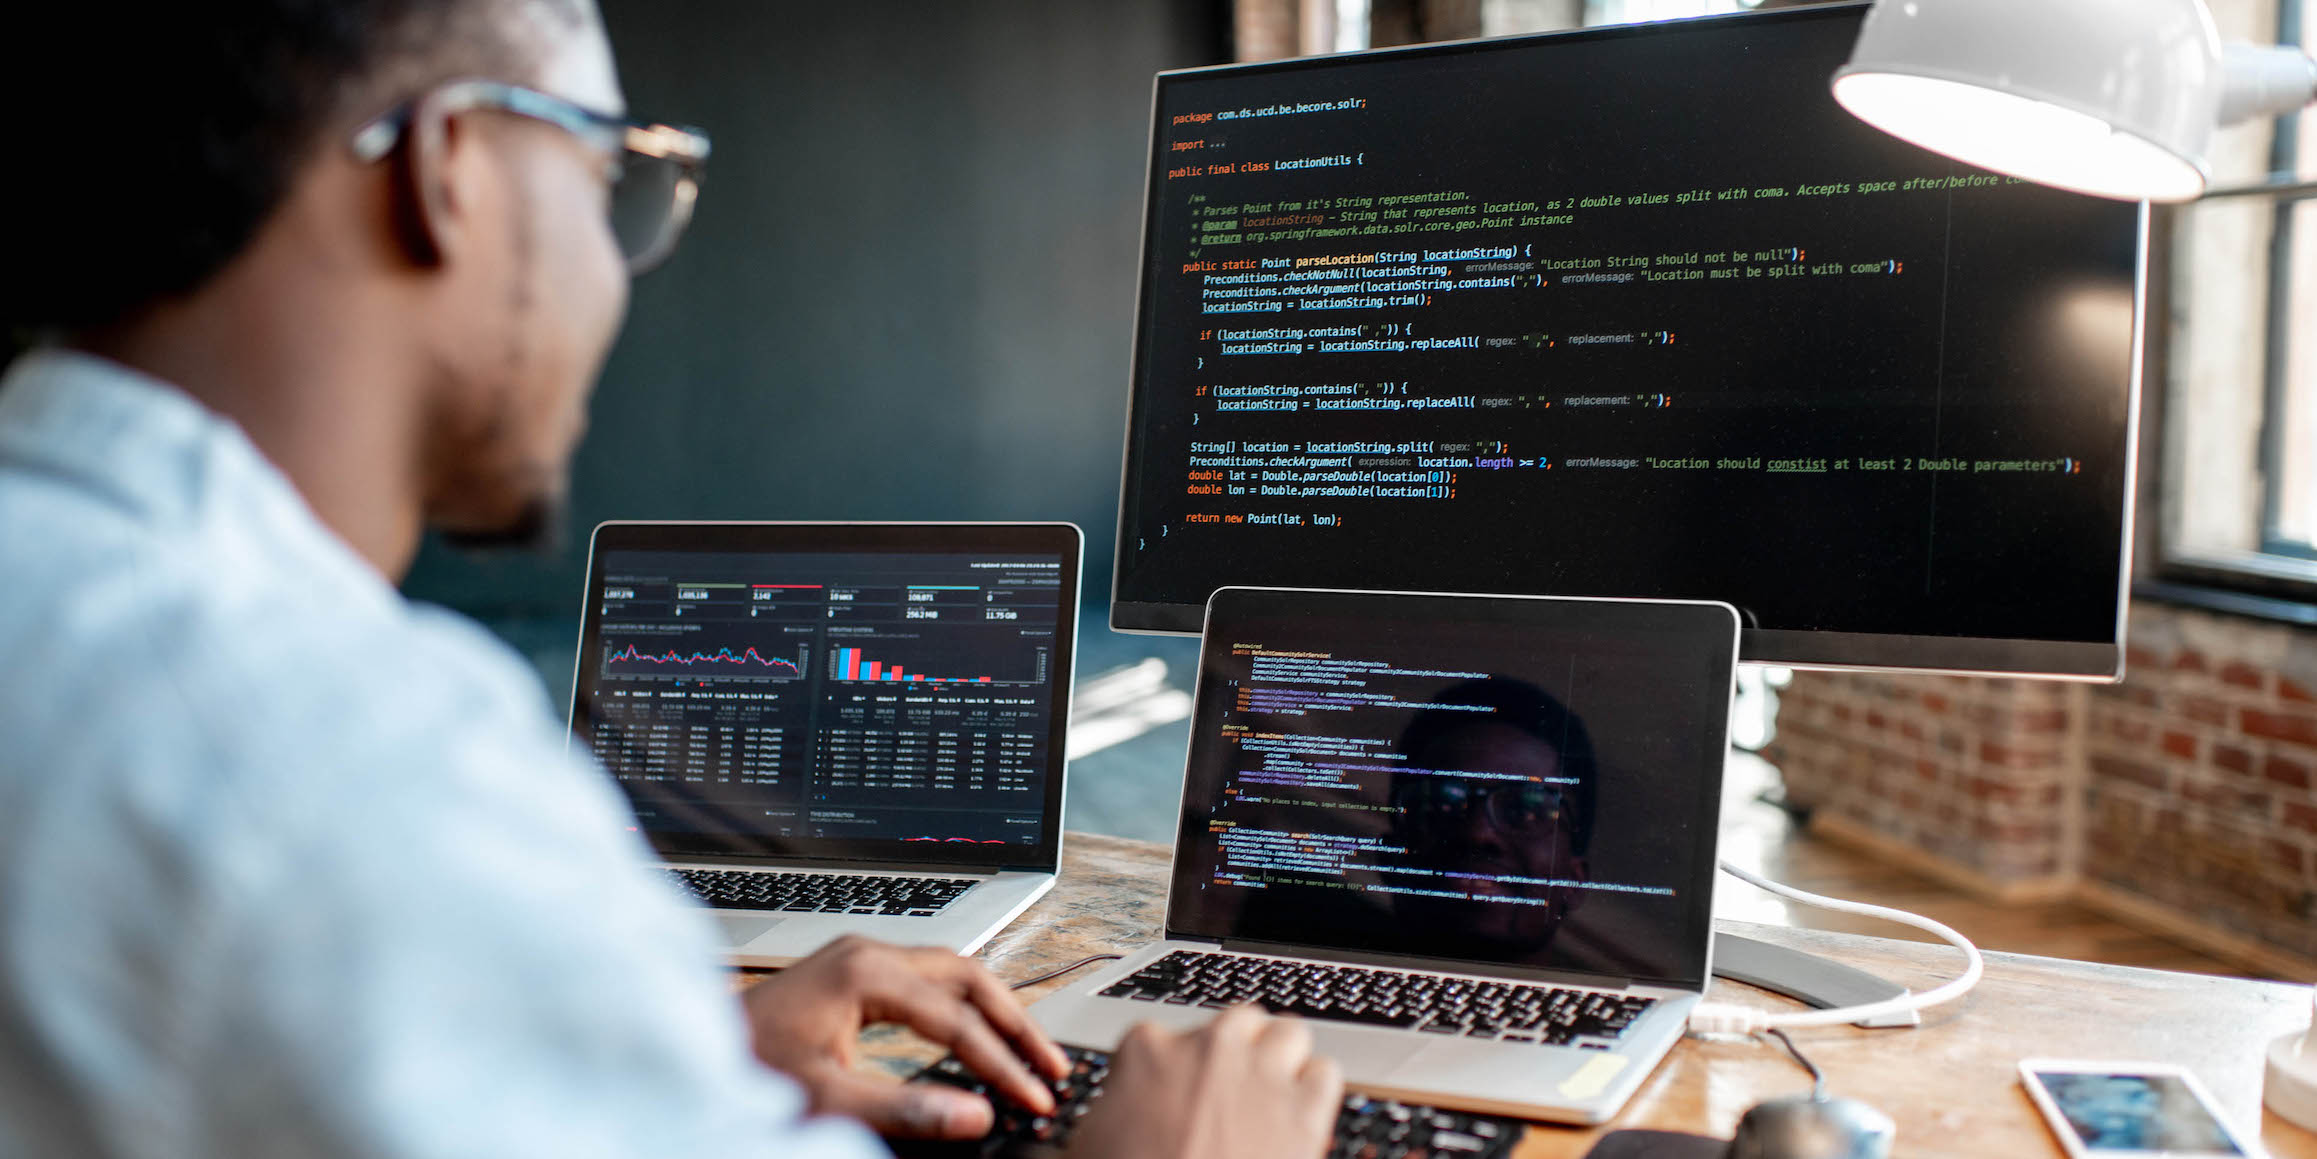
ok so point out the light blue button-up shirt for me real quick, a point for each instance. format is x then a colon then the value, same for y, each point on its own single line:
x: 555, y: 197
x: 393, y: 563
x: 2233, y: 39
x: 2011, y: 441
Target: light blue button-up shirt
x: 292, y: 867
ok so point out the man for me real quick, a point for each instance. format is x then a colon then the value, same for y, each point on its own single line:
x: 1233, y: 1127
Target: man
x: 287, y: 866
x: 1524, y: 820
x: 1514, y: 834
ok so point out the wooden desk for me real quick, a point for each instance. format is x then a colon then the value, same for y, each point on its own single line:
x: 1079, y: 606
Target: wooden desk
x: 1950, y: 1083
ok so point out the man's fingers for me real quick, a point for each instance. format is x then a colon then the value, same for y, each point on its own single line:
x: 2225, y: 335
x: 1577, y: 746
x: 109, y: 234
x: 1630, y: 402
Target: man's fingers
x: 1237, y: 1024
x: 1282, y: 1044
x: 1321, y: 1083
x: 979, y: 1047
x: 924, y: 990
x: 1231, y: 1032
x: 934, y: 1011
x: 902, y: 1110
x: 1007, y: 1016
x: 1143, y: 1042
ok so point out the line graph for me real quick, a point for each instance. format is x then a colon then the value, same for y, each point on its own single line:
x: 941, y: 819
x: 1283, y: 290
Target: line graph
x: 632, y: 660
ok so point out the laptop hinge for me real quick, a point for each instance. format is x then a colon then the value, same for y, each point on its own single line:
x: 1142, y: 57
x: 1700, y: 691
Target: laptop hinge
x: 1428, y: 965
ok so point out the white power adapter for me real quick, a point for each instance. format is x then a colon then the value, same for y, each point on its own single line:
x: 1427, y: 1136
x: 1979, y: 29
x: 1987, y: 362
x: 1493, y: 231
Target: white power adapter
x: 2290, y: 1087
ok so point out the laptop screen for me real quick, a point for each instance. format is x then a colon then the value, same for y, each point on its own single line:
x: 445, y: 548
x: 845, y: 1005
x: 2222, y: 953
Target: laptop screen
x: 1513, y: 782
x: 834, y: 691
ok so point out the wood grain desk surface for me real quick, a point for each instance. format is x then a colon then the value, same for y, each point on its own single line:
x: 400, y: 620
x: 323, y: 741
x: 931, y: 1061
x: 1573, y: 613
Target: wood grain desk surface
x: 1950, y: 1083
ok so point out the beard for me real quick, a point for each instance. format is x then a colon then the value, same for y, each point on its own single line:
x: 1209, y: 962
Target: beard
x: 539, y: 528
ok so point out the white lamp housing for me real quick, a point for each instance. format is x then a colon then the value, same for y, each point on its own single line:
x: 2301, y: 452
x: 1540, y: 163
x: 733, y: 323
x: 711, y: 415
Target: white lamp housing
x: 2117, y: 98
x: 2289, y: 1086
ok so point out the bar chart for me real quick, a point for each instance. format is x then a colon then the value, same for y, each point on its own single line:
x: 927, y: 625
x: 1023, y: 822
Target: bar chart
x: 975, y: 658
x: 851, y: 664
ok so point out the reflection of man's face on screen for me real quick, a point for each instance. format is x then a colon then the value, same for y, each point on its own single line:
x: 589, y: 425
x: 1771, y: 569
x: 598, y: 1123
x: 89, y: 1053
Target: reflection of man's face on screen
x: 1510, y: 830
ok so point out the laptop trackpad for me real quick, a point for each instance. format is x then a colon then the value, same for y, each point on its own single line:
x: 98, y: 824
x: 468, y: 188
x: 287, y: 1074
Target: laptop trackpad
x: 741, y: 929
x: 1467, y: 1064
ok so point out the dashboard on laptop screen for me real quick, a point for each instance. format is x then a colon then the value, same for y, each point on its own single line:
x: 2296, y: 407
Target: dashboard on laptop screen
x: 1501, y: 781
x: 899, y: 697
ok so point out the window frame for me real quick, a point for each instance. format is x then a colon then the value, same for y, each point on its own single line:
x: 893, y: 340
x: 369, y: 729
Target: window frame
x: 2284, y: 158
x: 2277, y: 577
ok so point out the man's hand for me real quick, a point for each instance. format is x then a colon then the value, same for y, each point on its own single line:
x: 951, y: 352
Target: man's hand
x: 1242, y: 1085
x: 806, y: 1020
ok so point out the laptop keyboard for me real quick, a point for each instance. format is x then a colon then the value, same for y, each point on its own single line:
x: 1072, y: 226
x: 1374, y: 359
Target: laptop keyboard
x: 1508, y: 1011
x: 1364, y: 1129
x: 827, y: 893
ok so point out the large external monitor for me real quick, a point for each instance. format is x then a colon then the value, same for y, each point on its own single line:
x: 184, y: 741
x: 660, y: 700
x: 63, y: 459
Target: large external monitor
x: 1633, y: 311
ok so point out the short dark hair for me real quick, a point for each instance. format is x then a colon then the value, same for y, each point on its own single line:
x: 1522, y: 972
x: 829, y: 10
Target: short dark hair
x: 1524, y: 706
x: 174, y: 131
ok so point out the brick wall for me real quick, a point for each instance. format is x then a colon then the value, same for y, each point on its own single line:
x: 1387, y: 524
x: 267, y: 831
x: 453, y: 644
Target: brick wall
x: 2186, y: 794
x: 1975, y: 772
x: 2198, y: 775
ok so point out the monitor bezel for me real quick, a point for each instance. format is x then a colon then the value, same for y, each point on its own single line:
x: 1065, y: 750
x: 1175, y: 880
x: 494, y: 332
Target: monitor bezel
x: 1046, y: 538
x: 2071, y: 660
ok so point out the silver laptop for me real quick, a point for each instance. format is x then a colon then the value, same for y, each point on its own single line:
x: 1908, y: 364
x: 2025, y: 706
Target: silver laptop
x: 1470, y: 839
x: 837, y: 728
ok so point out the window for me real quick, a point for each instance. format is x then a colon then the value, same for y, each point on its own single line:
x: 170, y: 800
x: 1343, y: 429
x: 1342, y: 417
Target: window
x: 1636, y: 11
x: 2236, y: 501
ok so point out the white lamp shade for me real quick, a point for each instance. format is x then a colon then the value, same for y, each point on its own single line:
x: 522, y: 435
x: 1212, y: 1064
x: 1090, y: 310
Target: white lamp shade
x: 2117, y: 98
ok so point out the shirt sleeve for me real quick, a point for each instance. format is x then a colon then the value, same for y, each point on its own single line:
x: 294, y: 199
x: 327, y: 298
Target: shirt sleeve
x: 436, y: 936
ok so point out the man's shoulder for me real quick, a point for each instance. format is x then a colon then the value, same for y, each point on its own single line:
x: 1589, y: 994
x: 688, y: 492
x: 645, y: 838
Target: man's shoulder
x: 173, y: 656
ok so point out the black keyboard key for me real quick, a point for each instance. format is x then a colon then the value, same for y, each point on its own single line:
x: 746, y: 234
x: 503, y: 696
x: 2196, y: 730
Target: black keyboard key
x: 1365, y: 1128
x: 822, y: 892
x: 1441, y: 1005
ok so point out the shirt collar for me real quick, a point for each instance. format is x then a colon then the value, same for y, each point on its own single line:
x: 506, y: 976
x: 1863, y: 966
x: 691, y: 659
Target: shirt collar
x: 156, y: 452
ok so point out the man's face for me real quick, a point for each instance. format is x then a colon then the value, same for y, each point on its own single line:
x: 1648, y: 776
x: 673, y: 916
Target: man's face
x: 542, y: 303
x: 1519, y: 828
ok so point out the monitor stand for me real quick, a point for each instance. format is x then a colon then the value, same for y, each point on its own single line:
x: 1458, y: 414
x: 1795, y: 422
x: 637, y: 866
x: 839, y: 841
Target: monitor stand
x: 1805, y: 977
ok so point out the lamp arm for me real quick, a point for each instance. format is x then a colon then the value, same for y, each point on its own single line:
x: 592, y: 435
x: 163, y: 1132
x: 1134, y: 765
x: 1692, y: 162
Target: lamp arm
x: 2264, y: 80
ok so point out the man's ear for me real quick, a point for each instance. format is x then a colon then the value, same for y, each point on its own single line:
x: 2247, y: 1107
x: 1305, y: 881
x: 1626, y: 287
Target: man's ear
x: 1580, y: 871
x: 435, y: 197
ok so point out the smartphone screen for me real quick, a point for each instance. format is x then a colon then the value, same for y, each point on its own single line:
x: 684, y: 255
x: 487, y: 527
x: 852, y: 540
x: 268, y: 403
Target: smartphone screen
x: 2136, y: 1112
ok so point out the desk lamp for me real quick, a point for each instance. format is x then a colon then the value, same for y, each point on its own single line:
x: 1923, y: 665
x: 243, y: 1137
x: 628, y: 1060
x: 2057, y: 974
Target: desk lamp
x: 2115, y: 98
x: 2289, y: 1082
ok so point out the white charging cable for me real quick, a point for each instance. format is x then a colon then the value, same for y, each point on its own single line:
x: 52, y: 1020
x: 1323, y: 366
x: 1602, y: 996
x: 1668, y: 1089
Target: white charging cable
x: 1724, y: 1018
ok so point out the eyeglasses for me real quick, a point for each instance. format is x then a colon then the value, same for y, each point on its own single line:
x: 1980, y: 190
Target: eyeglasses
x: 654, y: 169
x: 1507, y: 806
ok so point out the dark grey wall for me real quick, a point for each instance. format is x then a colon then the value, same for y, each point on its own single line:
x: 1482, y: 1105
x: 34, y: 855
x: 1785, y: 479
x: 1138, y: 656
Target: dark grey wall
x: 909, y: 287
